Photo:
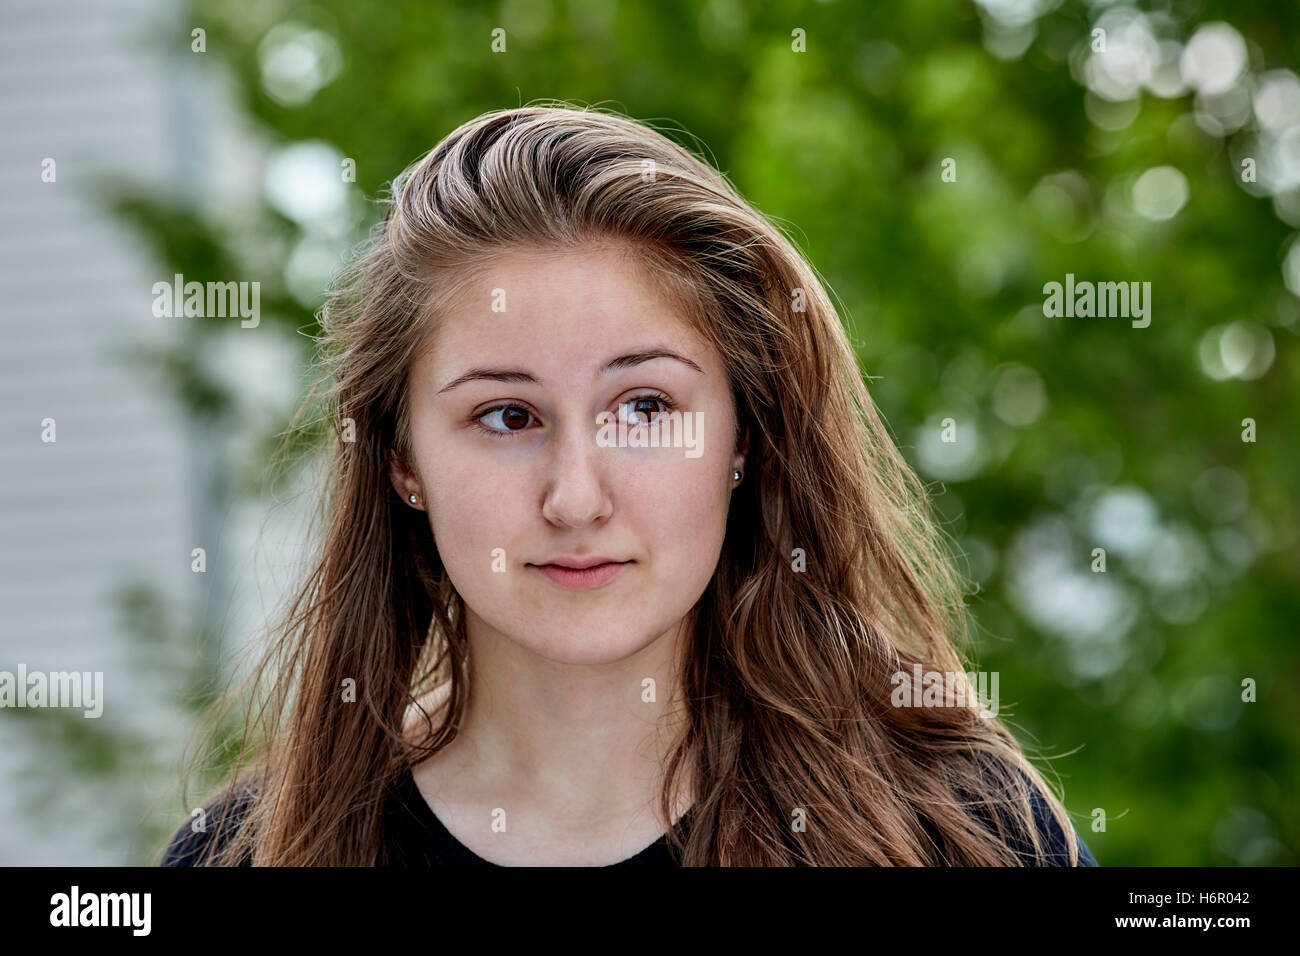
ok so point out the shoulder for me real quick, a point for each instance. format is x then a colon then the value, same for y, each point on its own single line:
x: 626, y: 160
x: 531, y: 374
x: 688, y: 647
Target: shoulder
x: 197, y: 839
x: 1054, y: 839
x: 1050, y: 833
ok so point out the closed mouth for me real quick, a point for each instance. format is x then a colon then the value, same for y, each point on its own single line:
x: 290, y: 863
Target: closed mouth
x: 581, y: 579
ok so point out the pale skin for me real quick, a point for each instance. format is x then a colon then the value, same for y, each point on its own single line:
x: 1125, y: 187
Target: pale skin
x: 557, y: 732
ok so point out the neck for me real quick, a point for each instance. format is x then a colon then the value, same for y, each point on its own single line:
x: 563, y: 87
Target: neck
x: 588, y: 741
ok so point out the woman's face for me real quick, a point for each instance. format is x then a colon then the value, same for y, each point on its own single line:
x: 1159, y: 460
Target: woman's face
x: 527, y: 410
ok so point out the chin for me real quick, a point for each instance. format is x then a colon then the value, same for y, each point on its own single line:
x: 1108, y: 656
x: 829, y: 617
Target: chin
x: 572, y: 647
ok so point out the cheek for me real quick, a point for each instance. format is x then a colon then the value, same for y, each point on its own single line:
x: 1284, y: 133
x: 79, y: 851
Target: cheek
x: 479, y: 528
x: 474, y: 507
x: 679, y: 508
x: 473, y: 515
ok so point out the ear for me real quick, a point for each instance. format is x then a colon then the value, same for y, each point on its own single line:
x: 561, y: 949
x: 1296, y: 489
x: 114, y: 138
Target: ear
x: 405, y: 481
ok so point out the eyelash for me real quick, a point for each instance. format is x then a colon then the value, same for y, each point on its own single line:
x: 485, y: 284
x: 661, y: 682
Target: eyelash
x: 663, y: 399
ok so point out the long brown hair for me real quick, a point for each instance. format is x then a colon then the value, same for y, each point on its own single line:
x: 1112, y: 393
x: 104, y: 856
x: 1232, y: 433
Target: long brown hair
x: 833, y: 577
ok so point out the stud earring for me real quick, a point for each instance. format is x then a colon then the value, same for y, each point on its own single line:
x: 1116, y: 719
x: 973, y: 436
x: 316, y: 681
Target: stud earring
x: 412, y: 499
x: 735, y: 476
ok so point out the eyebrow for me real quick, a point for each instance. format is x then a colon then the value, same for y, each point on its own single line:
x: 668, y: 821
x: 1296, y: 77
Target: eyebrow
x: 520, y: 376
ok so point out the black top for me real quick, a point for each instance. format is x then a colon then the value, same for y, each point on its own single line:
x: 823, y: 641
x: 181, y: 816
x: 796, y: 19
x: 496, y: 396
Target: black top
x: 418, y: 838
x: 414, y: 836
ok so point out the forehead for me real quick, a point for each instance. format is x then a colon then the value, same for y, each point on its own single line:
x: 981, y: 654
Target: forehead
x: 569, y: 310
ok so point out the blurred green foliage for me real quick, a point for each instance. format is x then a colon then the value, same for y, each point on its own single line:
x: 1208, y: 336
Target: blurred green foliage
x: 1072, y: 433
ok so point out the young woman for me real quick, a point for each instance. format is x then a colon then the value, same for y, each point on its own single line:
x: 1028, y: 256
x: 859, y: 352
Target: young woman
x: 621, y: 566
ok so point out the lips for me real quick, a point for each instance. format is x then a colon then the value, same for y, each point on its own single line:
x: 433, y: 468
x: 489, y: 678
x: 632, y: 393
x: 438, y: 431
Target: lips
x: 578, y: 562
x: 591, y: 573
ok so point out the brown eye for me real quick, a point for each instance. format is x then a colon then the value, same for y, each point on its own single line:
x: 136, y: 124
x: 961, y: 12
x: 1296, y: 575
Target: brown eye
x: 514, y: 418
x: 643, y: 410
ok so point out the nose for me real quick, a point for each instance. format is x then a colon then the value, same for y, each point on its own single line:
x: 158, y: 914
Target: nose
x: 576, y: 492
